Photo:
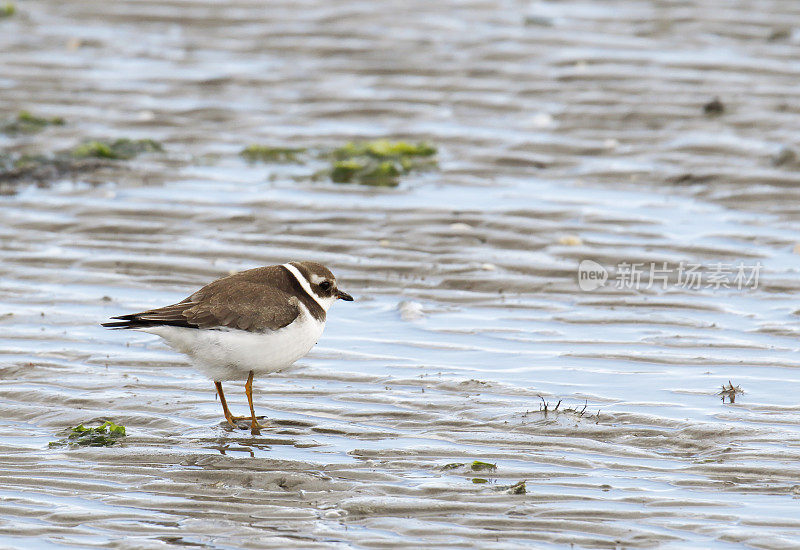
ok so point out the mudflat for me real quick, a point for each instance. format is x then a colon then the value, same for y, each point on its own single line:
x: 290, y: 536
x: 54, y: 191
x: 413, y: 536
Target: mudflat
x: 473, y: 395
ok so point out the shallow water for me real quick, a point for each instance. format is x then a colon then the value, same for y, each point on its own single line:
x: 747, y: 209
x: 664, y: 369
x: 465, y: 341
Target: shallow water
x: 567, y: 131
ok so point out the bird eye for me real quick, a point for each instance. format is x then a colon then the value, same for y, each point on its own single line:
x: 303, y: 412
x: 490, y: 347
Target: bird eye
x: 325, y: 285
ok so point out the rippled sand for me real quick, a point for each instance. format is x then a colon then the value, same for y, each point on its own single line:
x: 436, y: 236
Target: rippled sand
x: 567, y: 131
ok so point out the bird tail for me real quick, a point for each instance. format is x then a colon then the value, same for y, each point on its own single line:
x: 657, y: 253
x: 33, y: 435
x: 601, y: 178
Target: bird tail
x: 126, y: 321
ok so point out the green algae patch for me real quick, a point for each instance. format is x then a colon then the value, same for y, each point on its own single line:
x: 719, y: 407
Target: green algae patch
x: 79, y: 162
x: 478, y: 466
x: 103, y: 435
x: 383, y: 174
x: 27, y: 162
x: 96, y: 149
x: 383, y: 149
x: 7, y: 9
x: 516, y: 489
x: 27, y: 123
x: 379, y: 163
x: 265, y: 153
x: 119, y: 149
x: 452, y: 466
x: 40, y: 169
x: 346, y: 171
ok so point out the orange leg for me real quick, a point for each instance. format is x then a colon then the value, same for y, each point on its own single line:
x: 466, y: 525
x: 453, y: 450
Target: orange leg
x: 255, y: 427
x: 228, y: 416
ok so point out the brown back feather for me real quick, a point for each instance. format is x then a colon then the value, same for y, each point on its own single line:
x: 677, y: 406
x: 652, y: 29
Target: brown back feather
x: 258, y: 300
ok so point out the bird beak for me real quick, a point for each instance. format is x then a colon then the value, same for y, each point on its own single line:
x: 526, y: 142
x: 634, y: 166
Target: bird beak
x: 342, y: 295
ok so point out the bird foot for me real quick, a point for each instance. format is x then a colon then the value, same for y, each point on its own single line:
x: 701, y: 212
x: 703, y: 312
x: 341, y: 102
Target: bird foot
x: 255, y: 427
x: 244, y: 422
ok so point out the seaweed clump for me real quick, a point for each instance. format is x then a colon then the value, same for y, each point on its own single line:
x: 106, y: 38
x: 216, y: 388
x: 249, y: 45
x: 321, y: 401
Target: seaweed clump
x: 7, y: 9
x: 478, y: 466
x: 730, y: 391
x: 85, y: 159
x: 119, y: 149
x: 103, y: 435
x: 379, y: 163
x: 27, y: 123
x: 41, y: 169
x: 265, y: 153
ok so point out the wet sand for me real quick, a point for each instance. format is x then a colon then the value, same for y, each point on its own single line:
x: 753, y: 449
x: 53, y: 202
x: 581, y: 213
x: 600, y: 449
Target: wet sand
x: 566, y: 131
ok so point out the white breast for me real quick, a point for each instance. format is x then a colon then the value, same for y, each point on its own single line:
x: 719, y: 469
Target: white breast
x: 230, y: 354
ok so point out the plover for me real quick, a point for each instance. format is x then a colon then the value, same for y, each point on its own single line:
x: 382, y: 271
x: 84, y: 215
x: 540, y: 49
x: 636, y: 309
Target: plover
x: 253, y: 322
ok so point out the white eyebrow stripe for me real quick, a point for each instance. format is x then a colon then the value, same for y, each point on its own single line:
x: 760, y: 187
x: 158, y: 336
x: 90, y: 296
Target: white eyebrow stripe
x: 316, y: 279
x: 303, y: 283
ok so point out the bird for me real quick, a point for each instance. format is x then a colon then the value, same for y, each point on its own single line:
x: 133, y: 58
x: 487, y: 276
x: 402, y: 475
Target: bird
x: 257, y: 321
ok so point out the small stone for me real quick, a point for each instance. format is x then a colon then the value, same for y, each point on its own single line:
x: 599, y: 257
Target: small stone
x: 542, y: 120
x: 410, y: 311
x: 570, y: 240
x: 610, y: 143
x: 786, y: 155
x: 714, y: 107
x: 782, y: 33
x: 459, y: 227
x: 538, y: 21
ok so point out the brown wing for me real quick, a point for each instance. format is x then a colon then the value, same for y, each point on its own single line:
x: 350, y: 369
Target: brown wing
x: 242, y: 304
x: 246, y: 306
